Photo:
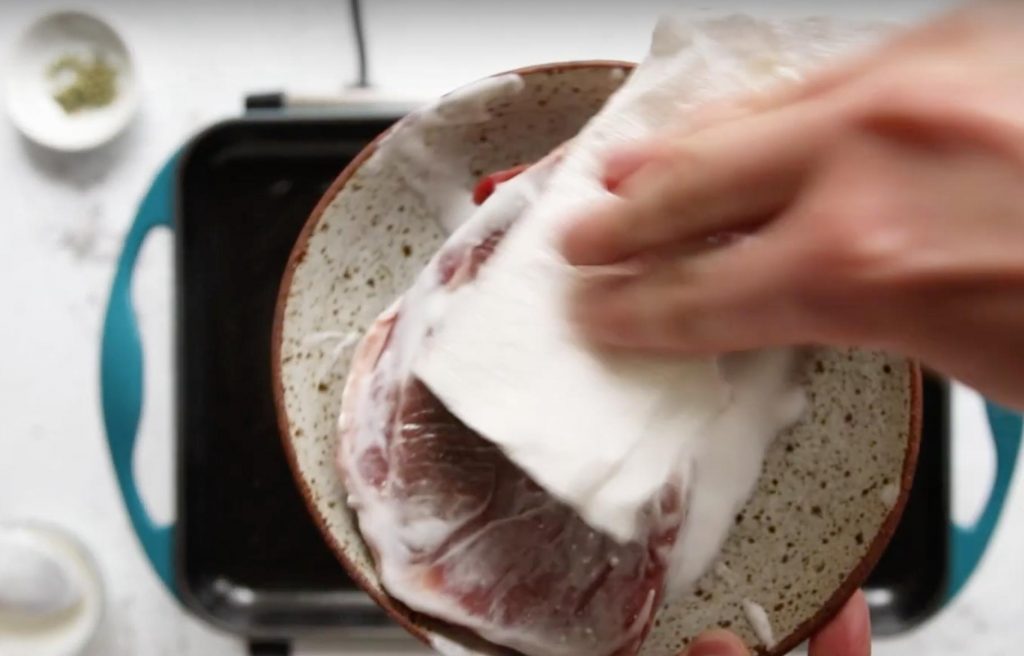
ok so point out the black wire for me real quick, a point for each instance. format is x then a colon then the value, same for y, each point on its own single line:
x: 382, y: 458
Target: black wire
x: 363, y: 80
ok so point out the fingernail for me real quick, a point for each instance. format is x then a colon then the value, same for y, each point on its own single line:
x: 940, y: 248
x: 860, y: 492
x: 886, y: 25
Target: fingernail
x: 577, y: 239
x: 620, y: 165
x: 712, y: 648
x: 718, y: 643
x: 611, y: 182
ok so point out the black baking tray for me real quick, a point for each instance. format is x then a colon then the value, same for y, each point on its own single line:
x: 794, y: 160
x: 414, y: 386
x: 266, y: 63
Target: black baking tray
x: 247, y: 555
x: 248, y: 558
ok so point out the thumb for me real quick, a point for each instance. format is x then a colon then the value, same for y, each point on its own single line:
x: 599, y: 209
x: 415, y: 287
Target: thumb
x: 718, y: 643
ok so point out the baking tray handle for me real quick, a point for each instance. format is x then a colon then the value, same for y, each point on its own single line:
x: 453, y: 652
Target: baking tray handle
x: 121, y: 380
x: 969, y: 542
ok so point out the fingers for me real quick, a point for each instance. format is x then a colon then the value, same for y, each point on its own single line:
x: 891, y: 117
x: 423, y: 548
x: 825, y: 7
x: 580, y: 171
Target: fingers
x: 718, y: 643
x: 744, y: 295
x: 624, y: 162
x: 719, y: 179
x: 849, y: 634
x: 628, y: 161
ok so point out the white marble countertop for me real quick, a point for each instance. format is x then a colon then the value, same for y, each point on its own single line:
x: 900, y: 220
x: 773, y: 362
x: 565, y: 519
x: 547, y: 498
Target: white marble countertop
x: 64, y: 219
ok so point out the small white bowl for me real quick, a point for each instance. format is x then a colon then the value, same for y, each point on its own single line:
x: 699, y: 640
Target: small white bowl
x: 30, y: 88
x: 70, y: 632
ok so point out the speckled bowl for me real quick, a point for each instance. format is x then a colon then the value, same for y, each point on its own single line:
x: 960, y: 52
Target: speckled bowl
x: 833, y: 486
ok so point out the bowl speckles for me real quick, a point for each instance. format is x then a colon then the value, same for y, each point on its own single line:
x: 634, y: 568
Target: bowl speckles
x: 833, y: 486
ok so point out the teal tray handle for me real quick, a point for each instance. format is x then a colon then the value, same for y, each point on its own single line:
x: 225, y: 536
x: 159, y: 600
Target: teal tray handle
x: 969, y: 542
x: 121, y: 381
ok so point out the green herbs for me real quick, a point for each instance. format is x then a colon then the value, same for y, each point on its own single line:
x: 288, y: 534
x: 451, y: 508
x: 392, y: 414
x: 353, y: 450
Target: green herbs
x: 86, y: 83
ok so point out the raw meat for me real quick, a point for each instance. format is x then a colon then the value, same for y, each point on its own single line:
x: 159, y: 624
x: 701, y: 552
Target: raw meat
x: 460, y: 532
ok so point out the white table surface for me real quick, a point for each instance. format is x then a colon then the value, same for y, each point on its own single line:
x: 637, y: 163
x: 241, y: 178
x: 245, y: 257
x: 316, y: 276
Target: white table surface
x: 63, y: 220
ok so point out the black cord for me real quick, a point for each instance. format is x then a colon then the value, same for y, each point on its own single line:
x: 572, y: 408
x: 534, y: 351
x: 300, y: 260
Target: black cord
x: 363, y: 80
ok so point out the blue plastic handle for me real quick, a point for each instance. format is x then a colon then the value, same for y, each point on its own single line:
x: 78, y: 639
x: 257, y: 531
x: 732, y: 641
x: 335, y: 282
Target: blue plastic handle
x: 969, y: 542
x: 121, y: 379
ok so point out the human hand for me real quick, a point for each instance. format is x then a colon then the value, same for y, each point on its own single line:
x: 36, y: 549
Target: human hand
x: 848, y: 634
x: 880, y: 205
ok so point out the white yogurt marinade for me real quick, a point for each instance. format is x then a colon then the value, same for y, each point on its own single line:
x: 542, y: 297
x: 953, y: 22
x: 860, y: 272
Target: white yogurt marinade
x: 443, y: 186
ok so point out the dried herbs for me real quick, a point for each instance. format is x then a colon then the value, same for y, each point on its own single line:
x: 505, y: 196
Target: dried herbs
x: 92, y: 83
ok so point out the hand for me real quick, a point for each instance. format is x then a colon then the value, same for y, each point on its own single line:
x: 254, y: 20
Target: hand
x: 848, y: 634
x: 878, y: 205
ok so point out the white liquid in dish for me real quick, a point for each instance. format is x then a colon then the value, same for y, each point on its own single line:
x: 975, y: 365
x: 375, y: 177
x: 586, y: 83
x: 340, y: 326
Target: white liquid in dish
x: 74, y: 606
x: 759, y: 622
x: 889, y: 494
x: 448, y: 647
x: 35, y: 583
x: 438, y: 178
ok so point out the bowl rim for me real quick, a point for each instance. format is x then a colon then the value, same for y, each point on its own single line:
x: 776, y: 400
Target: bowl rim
x: 411, y: 620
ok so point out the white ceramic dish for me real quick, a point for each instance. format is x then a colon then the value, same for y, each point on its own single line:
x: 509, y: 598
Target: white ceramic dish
x: 833, y: 486
x: 72, y: 630
x: 29, y: 87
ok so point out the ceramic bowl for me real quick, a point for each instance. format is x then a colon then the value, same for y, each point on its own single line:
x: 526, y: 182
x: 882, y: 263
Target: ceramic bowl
x: 30, y: 88
x: 73, y: 631
x: 832, y: 488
